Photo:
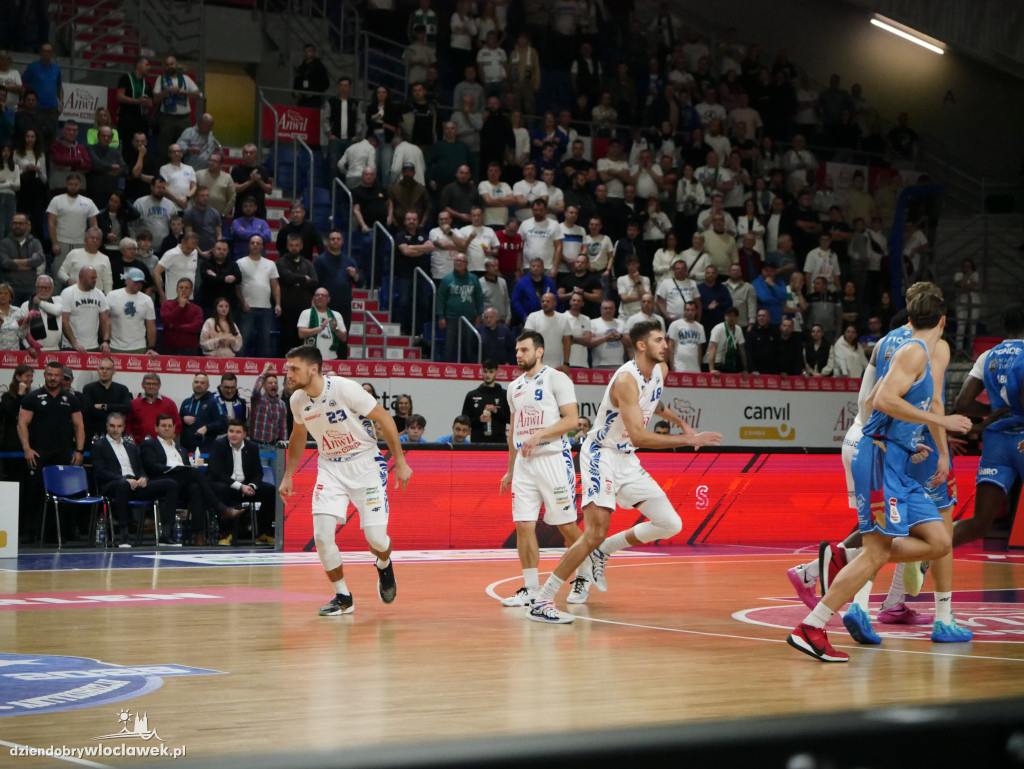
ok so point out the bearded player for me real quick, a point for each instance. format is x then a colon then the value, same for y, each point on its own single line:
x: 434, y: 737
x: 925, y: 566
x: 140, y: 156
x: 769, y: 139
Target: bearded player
x: 339, y: 414
x: 611, y: 473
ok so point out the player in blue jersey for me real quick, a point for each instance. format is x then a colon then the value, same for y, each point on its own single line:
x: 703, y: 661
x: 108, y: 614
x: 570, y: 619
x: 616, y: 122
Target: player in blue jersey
x: 897, y: 521
x: 999, y: 372
x: 610, y: 472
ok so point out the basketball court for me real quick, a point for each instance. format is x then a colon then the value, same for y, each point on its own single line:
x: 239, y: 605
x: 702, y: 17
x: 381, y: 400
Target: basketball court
x: 221, y: 654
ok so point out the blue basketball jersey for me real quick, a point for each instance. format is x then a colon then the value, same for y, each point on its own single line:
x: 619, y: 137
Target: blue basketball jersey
x: 887, y: 347
x: 1003, y: 378
x: 906, y: 435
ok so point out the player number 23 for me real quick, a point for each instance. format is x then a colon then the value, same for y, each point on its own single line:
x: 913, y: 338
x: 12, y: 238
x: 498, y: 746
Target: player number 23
x: 336, y: 417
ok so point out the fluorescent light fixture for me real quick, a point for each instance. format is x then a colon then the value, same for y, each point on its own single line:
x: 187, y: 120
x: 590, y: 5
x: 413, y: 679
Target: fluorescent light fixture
x: 907, y: 33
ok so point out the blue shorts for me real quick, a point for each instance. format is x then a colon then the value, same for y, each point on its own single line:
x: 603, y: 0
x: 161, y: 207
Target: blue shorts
x: 1001, y: 459
x: 889, y: 500
x: 943, y: 495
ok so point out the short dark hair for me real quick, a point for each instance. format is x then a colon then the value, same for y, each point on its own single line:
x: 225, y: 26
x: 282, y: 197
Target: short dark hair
x: 163, y: 417
x: 534, y: 336
x: 236, y: 422
x: 642, y: 330
x: 416, y: 420
x: 462, y: 419
x: 1013, y: 319
x: 55, y: 364
x: 489, y: 365
x: 307, y: 354
x: 228, y: 377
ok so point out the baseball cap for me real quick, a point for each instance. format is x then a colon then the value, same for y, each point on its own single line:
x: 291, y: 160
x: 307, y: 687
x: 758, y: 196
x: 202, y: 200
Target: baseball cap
x: 135, y: 274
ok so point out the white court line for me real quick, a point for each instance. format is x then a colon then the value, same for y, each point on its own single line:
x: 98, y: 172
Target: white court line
x: 490, y: 590
x: 72, y: 759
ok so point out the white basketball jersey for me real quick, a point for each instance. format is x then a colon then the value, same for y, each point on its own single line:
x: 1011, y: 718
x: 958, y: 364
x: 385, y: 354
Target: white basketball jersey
x: 609, y: 430
x: 535, y: 403
x: 337, y: 418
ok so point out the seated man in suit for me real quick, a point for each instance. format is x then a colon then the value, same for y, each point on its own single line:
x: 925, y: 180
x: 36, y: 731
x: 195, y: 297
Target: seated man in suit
x: 236, y: 475
x: 163, y: 458
x: 120, y: 477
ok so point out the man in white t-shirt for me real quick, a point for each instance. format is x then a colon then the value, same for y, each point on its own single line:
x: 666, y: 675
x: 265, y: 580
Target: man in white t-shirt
x: 572, y: 240
x: 598, y: 248
x: 613, y: 169
x: 685, y: 341
x: 85, y: 317
x: 156, y: 210
x: 647, y: 313
x: 322, y: 327
x: 177, y: 263
x: 260, y: 294
x: 675, y: 291
x: 181, y: 178
x: 580, y: 334
x: 491, y: 60
x: 88, y: 255
x: 442, y: 258
x: 132, y: 316
x: 496, y: 195
x: 606, y: 333
x: 67, y: 217
x: 726, y: 349
x: 553, y: 326
x: 528, y: 190
x: 339, y: 415
x: 477, y: 241
x: 822, y: 262
x: 542, y: 239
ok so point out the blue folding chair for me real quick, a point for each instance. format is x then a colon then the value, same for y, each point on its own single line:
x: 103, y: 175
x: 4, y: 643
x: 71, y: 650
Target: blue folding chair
x: 63, y: 484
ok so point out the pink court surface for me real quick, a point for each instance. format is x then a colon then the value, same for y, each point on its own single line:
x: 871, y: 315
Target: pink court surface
x: 200, y: 647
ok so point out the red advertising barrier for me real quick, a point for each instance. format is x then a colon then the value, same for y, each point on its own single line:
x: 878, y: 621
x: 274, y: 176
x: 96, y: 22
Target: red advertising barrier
x: 303, y: 122
x: 748, y: 498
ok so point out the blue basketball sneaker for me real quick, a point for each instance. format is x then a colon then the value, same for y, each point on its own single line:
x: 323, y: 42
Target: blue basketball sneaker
x: 858, y: 624
x: 950, y: 632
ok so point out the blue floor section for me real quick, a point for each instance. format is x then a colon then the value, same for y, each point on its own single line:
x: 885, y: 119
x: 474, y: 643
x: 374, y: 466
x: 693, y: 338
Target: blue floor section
x: 139, y: 559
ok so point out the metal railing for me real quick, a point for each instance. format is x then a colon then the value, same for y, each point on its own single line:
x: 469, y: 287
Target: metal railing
x: 264, y: 102
x: 297, y: 141
x: 393, y: 76
x: 334, y: 207
x: 378, y: 227
x: 369, y: 316
x: 464, y: 321
x: 417, y: 275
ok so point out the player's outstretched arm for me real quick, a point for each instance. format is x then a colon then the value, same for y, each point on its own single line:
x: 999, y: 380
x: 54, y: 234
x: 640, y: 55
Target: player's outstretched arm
x: 296, y: 445
x: 390, y: 430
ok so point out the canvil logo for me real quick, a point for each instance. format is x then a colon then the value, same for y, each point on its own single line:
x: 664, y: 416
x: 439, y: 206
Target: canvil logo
x: 769, y: 413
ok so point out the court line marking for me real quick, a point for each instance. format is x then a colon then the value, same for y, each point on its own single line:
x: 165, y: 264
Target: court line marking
x: 71, y: 759
x: 490, y: 590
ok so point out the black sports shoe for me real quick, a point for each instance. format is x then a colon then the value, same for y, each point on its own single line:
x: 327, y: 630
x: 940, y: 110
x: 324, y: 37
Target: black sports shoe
x: 340, y: 604
x: 387, y: 589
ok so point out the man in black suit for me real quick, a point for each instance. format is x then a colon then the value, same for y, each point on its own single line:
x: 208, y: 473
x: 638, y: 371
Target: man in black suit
x: 236, y: 474
x: 117, y: 467
x: 163, y: 458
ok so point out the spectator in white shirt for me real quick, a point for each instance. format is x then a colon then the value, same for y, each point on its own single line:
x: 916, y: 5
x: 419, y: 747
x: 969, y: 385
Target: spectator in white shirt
x: 181, y: 178
x: 553, y: 326
x: 89, y: 255
x: 675, y: 291
x: 361, y: 155
x: 85, y: 317
x: 686, y: 340
x: 822, y: 262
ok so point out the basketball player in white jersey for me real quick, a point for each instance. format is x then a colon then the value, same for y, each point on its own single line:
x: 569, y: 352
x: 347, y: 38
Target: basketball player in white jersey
x: 540, y: 470
x: 339, y: 414
x: 610, y: 471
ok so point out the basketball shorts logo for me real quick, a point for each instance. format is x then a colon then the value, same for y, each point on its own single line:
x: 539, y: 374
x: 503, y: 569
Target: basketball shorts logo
x: 607, y: 485
x: 894, y: 512
x: 316, y: 491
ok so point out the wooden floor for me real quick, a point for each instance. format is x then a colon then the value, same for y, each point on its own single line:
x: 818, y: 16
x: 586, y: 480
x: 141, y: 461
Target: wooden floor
x: 684, y: 636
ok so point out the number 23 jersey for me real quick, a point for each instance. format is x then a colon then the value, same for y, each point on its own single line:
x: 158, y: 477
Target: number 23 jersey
x: 337, y: 418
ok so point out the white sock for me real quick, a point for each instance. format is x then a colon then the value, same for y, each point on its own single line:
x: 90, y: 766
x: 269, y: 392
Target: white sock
x: 896, y: 591
x: 811, y: 571
x: 820, y: 616
x: 944, y: 607
x: 614, y: 543
x: 340, y: 587
x: 531, y: 579
x: 863, y: 595
x: 383, y: 564
x: 550, y: 589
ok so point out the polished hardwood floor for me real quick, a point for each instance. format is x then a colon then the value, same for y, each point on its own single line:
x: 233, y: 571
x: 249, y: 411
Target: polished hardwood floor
x: 686, y: 635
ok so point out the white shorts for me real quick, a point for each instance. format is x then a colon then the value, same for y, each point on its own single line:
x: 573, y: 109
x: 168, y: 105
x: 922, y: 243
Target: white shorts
x: 609, y: 476
x: 363, y: 481
x: 549, y: 479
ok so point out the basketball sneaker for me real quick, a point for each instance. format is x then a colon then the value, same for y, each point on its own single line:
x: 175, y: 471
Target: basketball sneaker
x: 913, y: 576
x: 831, y: 561
x: 814, y: 642
x: 545, y: 611
x: 340, y: 604
x: 580, y: 591
x: 950, y: 632
x: 522, y: 597
x: 901, y: 614
x: 804, y: 587
x: 858, y: 624
x: 387, y: 588
x: 598, y: 560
